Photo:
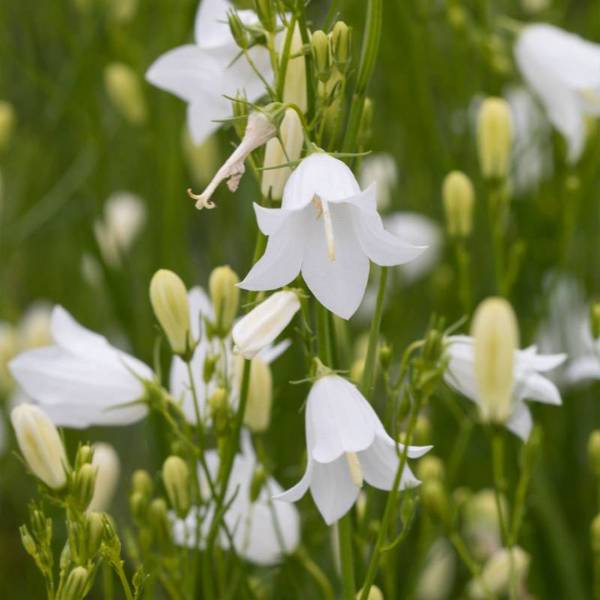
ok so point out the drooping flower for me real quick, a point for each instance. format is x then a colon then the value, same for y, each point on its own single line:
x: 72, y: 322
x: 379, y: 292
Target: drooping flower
x: 82, y: 380
x: 202, y: 74
x: 528, y: 381
x: 346, y: 444
x: 328, y: 230
x: 563, y: 70
x: 263, y: 530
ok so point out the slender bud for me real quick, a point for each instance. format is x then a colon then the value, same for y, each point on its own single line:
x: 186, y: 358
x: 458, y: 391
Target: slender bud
x: 264, y: 323
x: 225, y: 297
x: 159, y: 519
x: 502, y: 568
x: 265, y: 9
x: 28, y: 541
x: 176, y: 477
x: 458, y: 195
x: 170, y: 304
x: 141, y: 482
x: 294, y: 87
x: 422, y: 433
x: 320, y: 49
x: 125, y: 92
x: 280, y: 151
x: 595, y: 320
x: 7, y: 123
x: 108, y: 467
x: 595, y: 534
x: 218, y: 406
x: 496, y: 339
x: 237, y: 29
x: 494, y: 137
x: 374, y: 593
x: 594, y: 452
x: 94, y: 532
x: 40, y: 444
x: 435, y: 500
x: 83, y: 485
x: 84, y: 456
x: 341, y: 45
x: 76, y: 584
x: 260, y: 395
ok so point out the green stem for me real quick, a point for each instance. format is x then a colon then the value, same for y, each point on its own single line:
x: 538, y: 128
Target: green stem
x: 344, y: 526
x: 313, y: 569
x: 118, y: 567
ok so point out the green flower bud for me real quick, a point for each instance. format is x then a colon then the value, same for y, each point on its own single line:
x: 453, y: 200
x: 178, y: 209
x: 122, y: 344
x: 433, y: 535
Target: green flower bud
x: 458, y: 196
x: 430, y: 468
x: 435, y: 500
x: 218, y: 406
x: 138, y: 503
x: 593, y: 448
x: 341, y: 45
x: 84, y: 456
x: 422, y: 431
x: 7, y: 123
x: 238, y: 31
x: 294, y: 87
x: 176, y: 477
x: 76, y: 584
x: 322, y: 58
x: 225, y: 296
x: 83, y: 485
x: 595, y: 534
x: 141, y: 482
x: 494, y: 137
x: 365, y: 131
x: 94, y: 532
x: 208, y: 369
x: 258, y: 480
x: 28, y: 541
x: 595, y: 320
x: 240, y: 115
x: 260, y: 395
x: 374, y: 593
x: 159, y: 520
x: 265, y: 9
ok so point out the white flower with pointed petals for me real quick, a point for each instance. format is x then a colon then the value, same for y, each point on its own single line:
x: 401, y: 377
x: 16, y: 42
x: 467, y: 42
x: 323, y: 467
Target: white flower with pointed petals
x: 263, y: 531
x: 563, y: 69
x: 529, y: 383
x: 346, y: 444
x: 202, y: 74
x: 328, y: 230
x: 82, y: 380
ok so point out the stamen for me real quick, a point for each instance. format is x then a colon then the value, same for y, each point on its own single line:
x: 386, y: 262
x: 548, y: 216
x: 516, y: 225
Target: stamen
x: 356, y: 473
x: 201, y: 200
x: 322, y: 207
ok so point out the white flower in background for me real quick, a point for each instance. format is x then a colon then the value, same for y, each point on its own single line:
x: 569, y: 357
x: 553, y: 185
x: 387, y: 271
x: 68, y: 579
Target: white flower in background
x: 528, y: 382
x: 382, y: 170
x: 202, y: 74
x: 437, y: 577
x: 263, y: 530
x: 326, y: 229
x: 108, y: 467
x: 563, y: 70
x: 82, y: 380
x: 40, y: 444
x: 346, y: 444
x: 122, y: 221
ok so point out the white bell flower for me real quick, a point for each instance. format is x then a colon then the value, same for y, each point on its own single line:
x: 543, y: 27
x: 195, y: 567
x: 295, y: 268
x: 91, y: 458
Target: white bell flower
x: 563, y: 70
x: 202, y: 74
x: 82, y: 380
x: 346, y: 444
x: 328, y: 230
x: 263, y: 531
x: 529, y: 383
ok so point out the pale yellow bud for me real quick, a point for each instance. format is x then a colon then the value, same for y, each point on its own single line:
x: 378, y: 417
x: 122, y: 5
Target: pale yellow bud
x: 374, y: 593
x: 458, y: 195
x: 170, y: 304
x: 75, y: 585
x: 294, y: 87
x: 430, y: 467
x: 505, y: 565
x: 260, y: 396
x: 494, y: 137
x: 279, y: 151
x: 321, y: 55
x: 595, y: 534
x: 176, y: 477
x: 264, y: 323
x: 496, y: 338
x: 122, y: 11
x: 125, y: 92
x: 357, y: 369
x: 595, y: 320
x: 7, y: 123
x: 225, y: 296
x: 108, y: 467
x: 594, y: 452
x: 40, y: 444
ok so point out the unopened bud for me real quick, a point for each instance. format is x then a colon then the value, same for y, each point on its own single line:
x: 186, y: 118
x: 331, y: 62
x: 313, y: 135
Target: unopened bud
x: 225, y: 296
x: 494, y: 137
x: 94, y: 532
x: 159, y: 519
x: 322, y: 58
x: 106, y: 461
x: 125, y: 92
x: 85, y: 454
x: 138, y: 503
x: 595, y: 320
x: 294, y: 87
x: 237, y: 29
x: 264, y: 323
x: 374, y: 593
x: 122, y: 11
x: 76, y: 584
x: 422, y: 432
x: 385, y: 356
x: 430, y: 468
x: 83, y: 486
x: 265, y: 9
x: 7, y: 123
x: 141, y: 482
x: 218, y: 406
x: 40, y: 444
x: 341, y: 45
x: 594, y: 452
x: 595, y: 534
x: 28, y: 541
x: 176, y: 477
x: 504, y: 568
x: 435, y: 500
x: 260, y: 395
x: 458, y: 195
x: 496, y: 339
x: 170, y: 304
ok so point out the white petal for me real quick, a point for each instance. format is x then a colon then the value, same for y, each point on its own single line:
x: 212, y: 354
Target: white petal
x: 339, y: 285
x: 72, y: 336
x: 270, y: 220
x: 203, y: 115
x: 583, y: 369
x: 211, y: 27
x: 273, y: 352
x: 338, y: 419
x: 332, y: 489
x: 200, y: 307
x: 540, y: 362
x: 297, y: 491
x: 534, y: 386
x: 520, y: 422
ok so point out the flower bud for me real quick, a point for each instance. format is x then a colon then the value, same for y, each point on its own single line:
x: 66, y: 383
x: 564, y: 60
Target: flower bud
x: 458, y: 196
x: 294, y: 87
x: 159, y: 520
x: 422, y: 432
x: 494, y: 137
x: 218, y: 406
x: 280, y: 151
x: 341, y: 45
x: 260, y: 395
x: 94, y: 532
x: 265, y: 9
x: 496, y: 339
x: 374, y: 593
x: 138, y: 503
x: 208, y: 369
x: 435, y: 500
x: 28, y: 541
x: 108, y: 467
x: 225, y: 297
x: 594, y: 531
x: 264, y: 323
x: 83, y: 485
x: 365, y: 132
x: 141, y: 483
x: 322, y: 58
x: 7, y: 123
x: 76, y: 584
x: 125, y: 92
x: 85, y: 454
x: 237, y: 29
x: 176, y: 477
x: 40, y: 444
x: 170, y: 304
x: 595, y: 320
x: 429, y: 468
x: 594, y: 452
x: 505, y: 565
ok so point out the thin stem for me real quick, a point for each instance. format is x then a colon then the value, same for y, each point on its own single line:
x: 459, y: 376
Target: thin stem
x: 344, y: 526
x: 316, y: 573
x: 465, y: 556
x: 118, y: 567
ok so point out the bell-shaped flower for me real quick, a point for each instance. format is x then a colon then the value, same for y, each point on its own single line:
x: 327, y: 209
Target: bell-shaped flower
x: 528, y: 381
x: 563, y: 70
x: 328, y: 230
x: 81, y: 380
x: 202, y: 74
x: 346, y: 444
x: 263, y: 531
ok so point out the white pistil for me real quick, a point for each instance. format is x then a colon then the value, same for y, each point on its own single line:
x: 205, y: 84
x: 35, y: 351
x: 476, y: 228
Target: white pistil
x: 356, y: 473
x: 322, y: 207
